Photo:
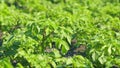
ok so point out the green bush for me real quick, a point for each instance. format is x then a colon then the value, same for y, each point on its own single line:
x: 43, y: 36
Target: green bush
x: 59, y: 33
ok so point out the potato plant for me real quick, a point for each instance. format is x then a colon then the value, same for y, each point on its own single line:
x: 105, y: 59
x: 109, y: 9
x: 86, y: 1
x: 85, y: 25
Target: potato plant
x: 59, y: 33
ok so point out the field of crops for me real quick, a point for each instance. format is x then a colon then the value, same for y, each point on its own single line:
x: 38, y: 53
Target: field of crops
x: 59, y: 33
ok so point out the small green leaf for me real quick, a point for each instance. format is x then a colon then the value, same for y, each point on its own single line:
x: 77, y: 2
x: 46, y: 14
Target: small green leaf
x: 109, y: 50
x: 93, y: 56
x: 56, y: 52
x: 69, y: 61
x: 19, y: 65
x: 65, y: 45
x: 69, y: 39
x: 102, y: 59
x: 53, y: 64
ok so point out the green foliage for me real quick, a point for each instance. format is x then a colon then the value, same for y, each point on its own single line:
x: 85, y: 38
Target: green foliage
x: 59, y: 33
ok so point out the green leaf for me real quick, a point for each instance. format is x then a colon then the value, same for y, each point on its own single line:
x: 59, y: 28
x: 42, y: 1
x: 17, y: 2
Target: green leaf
x: 69, y: 39
x: 69, y: 61
x: 19, y: 65
x: 56, y: 52
x: 110, y: 49
x: 65, y: 45
x: 94, y: 56
x: 102, y: 59
x: 38, y: 28
x: 53, y: 64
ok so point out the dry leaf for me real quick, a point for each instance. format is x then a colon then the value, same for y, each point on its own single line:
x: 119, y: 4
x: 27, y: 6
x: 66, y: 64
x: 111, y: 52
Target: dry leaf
x: 81, y: 48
